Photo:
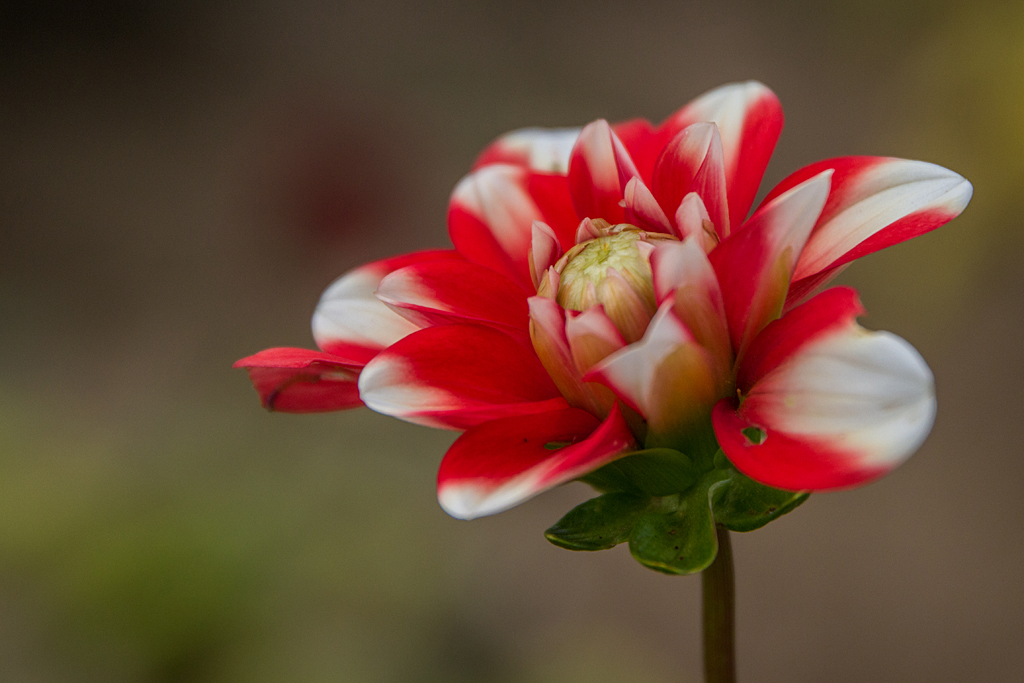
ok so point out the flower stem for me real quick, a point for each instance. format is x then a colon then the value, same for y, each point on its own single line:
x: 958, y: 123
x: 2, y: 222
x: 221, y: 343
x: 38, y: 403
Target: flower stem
x: 719, y: 603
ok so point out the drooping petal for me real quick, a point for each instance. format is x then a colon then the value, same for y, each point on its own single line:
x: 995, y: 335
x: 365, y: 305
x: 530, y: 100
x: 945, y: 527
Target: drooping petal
x: 832, y: 405
x: 444, y: 292
x: 754, y: 266
x: 599, y: 168
x: 502, y: 463
x: 875, y: 202
x: 351, y: 322
x: 302, y: 381
x: 457, y: 376
x: 667, y: 377
x: 693, y: 162
x: 749, y: 118
x: 540, y: 149
x: 491, y: 215
x: 643, y: 210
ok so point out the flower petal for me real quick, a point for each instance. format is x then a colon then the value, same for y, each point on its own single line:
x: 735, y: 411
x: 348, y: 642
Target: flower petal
x: 666, y: 376
x: 749, y: 118
x: 302, y: 381
x: 875, y: 202
x: 351, y: 323
x: 643, y: 210
x: 693, y: 162
x: 544, y: 250
x: 457, y: 376
x: 683, y: 273
x: 540, y: 149
x: 599, y: 169
x: 547, y: 330
x: 755, y: 264
x: 505, y: 462
x: 491, y: 215
x: 834, y: 309
x: 693, y: 220
x: 592, y: 337
x: 444, y: 292
x: 836, y: 405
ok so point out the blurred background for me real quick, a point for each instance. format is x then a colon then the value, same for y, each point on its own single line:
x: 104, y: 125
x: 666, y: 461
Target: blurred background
x: 180, y: 180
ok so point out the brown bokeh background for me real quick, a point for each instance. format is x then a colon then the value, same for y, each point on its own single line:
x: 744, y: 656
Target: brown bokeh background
x: 180, y: 180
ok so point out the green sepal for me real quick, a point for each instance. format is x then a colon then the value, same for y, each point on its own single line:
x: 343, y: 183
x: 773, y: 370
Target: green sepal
x: 741, y: 504
x: 680, y: 540
x: 654, y: 472
x: 599, y: 523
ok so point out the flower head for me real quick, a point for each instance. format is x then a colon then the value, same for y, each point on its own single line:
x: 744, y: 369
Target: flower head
x: 608, y: 292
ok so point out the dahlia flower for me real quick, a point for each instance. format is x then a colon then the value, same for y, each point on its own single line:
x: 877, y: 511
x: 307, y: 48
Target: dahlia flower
x: 611, y: 313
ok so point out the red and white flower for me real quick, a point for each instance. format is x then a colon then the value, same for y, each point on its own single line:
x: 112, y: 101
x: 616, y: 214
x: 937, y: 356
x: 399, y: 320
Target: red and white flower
x: 608, y: 290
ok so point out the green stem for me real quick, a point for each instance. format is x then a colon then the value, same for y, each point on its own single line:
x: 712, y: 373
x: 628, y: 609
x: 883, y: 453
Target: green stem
x: 719, y: 602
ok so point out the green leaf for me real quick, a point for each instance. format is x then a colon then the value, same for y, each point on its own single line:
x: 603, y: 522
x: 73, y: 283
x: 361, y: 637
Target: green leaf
x: 654, y: 472
x: 677, y: 540
x: 598, y: 524
x: 742, y: 504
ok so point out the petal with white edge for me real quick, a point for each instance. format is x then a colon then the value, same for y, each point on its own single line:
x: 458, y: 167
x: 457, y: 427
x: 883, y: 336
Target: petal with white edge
x: 841, y: 406
x: 444, y: 292
x: 667, y: 377
x: 351, y: 322
x: 749, y: 119
x: 457, y: 376
x: 547, y: 331
x: 540, y: 149
x: 544, y: 250
x: 755, y: 264
x: 503, y: 463
x: 875, y: 202
x: 599, y: 169
x: 683, y: 273
x: 643, y: 210
x: 302, y: 381
x: 693, y: 220
x: 491, y: 215
x: 693, y: 162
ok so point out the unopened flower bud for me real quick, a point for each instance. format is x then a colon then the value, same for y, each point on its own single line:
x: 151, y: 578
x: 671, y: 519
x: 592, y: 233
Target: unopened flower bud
x: 612, y: 269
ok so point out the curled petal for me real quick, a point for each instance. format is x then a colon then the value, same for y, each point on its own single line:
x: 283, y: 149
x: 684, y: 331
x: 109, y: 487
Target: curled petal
x: 831, y: 405
x: 599, y: 169
x: 443, y: 292
x: 429, y: 378
x: 351, y: 322
x: 875, y: 202
x: 749, y: 119
x: 540, y: 149
x: 503, y: 463
x: 693, y: 162
x: 755, y: 264
x: 302, y: 381
x: 491, y: 215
